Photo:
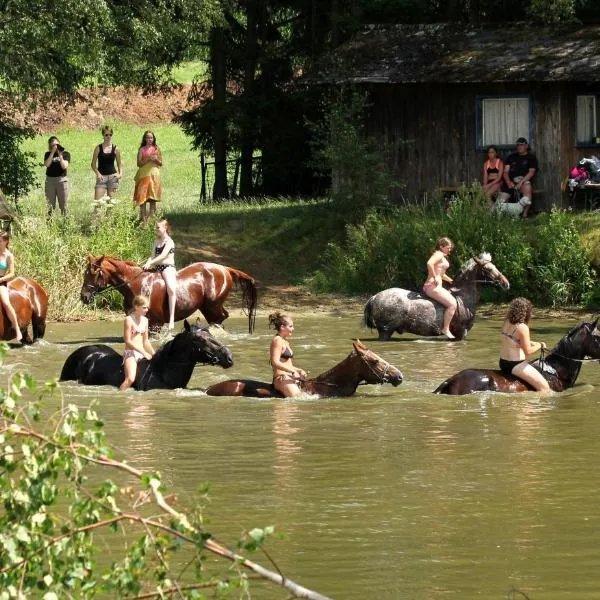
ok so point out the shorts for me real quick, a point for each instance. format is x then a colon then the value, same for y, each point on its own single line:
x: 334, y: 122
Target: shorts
x: 507, y: 366
x: 108, y: 183
x: 130, y: 352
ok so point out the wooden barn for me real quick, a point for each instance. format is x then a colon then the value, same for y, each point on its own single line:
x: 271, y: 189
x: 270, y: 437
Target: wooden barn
x: 440, y: 94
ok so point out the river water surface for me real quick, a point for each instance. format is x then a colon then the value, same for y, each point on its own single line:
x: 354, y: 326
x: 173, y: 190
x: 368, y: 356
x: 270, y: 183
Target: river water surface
x: 394, y: 493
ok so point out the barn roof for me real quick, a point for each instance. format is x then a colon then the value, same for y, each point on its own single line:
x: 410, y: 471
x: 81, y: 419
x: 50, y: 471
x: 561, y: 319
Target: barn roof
x: 452, y: 53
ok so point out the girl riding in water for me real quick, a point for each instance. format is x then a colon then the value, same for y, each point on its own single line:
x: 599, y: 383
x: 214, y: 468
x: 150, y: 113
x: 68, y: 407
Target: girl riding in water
x: 163, y: 261
x: 285, y: 375
x: 516, y: 346
x: 436, y: 274
x: 137, y: 345
x: 7, y: 272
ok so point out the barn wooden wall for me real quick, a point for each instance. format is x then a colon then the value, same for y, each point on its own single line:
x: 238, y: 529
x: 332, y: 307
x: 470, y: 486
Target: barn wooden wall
x: 432, y: 128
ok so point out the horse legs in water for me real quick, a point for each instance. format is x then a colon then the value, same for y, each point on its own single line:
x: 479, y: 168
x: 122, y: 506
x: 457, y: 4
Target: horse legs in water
x: 385, y: 335
x: 214, y: 312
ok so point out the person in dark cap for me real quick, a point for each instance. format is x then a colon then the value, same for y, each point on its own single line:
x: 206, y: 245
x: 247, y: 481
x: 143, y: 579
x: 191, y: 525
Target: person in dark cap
x: 519, y: 170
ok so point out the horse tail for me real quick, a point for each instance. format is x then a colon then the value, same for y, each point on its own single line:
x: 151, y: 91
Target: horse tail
x: 368, y: 315
x: 39, y: 307
x: 249, y: 295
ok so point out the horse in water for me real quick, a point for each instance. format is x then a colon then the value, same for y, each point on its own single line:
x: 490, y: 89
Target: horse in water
x: 200, y: 286
x: 342, y: 380
x: 560, y: 367
x: 171, y: 366
x: 30, y: 301
x: 396, y: 309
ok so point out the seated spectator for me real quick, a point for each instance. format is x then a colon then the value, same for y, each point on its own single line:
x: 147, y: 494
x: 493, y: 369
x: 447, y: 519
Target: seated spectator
x: 493, y: 170
x: 519, y: 170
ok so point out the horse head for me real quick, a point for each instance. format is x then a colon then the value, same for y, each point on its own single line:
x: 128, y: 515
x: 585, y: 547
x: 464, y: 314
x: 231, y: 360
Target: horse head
x: 94, y: 279
x: 376, y: 369
x: 480, y: 269
x: 585, y: 339
x: 203, y: 346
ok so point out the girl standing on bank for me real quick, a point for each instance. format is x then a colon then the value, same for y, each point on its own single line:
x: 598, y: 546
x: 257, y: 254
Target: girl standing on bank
x: 163, y: 261
x: 106, y: 164
x: 137, y: 345
x: 436, y: 274
x: 285, y: 375
x: 147, y: 179
x: 7, y: 272
x: 516, y: 345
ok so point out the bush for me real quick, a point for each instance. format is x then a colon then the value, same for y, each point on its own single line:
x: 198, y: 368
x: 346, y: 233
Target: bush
x: 547, y: 264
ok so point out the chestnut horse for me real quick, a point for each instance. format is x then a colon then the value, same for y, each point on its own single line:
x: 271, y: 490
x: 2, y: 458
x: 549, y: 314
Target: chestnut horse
x: 30, y: 301
x: 342, y: 380
x: 560, y: 367
x: 201, y: 286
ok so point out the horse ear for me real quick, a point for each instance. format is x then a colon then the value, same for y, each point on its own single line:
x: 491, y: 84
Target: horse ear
x: 91, y: 260
x: 186, y: 325
x: 358, y: 345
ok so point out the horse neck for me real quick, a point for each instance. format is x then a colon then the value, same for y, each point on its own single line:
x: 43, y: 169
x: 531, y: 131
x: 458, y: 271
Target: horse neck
x: 169, y: 364
x: 558, y: 358
x: 122, y: 273
x: 344, y: 377
x: 466, y: 282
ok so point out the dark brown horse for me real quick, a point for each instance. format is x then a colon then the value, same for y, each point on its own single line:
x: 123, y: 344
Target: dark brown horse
x: 200, y: 286
x: 342, y: 380
x: 30, y: 301
x: 560, y: 367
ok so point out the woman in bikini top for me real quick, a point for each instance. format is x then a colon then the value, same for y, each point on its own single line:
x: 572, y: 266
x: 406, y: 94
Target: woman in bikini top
x: 285, y: 375
x: 493, y: 168
x: 7, y: 272
x: 516, y: 345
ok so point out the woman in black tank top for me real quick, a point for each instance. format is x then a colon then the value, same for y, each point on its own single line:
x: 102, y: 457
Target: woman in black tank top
x: 106, y: 164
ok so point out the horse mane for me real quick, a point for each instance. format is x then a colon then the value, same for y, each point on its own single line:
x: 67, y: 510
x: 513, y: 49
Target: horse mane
x: 564, y: 344
x: 324, y: 375
x: 129, y: 263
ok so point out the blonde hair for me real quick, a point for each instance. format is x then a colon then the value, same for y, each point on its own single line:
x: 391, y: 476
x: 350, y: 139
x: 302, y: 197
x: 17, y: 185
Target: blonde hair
x: 167, y: 225
x: 141, y: 300
x: 278, y: 319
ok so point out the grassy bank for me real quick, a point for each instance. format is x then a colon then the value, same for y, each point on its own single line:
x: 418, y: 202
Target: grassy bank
x: 285, y: 243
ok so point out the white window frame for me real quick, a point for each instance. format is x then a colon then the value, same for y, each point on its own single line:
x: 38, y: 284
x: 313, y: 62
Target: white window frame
x: 513, y: 131
x: 589, y: 138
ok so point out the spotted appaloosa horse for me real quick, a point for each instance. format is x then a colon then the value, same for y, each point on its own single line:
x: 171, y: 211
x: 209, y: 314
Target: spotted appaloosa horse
x: 560, y: 367
x: 396, y: 309
x: 201, y: 286
x: 30, y: 301
x: 342, y: 380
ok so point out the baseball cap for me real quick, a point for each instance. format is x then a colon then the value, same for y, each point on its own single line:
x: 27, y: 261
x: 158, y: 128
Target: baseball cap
x: 522, y: 140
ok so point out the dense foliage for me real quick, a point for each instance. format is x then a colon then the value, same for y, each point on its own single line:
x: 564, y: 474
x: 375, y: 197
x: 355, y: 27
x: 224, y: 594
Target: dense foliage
x: 544, y: 260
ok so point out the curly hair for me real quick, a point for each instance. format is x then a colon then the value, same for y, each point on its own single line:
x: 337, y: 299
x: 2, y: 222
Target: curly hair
x: 278, y: 319
x: 519, y: 311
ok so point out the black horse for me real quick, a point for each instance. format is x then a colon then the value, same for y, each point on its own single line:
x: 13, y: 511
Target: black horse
x: 560, y: 367
x: 171, y: 366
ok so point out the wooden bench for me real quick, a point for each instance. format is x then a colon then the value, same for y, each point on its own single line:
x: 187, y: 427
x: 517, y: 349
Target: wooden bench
x: 590, y: 193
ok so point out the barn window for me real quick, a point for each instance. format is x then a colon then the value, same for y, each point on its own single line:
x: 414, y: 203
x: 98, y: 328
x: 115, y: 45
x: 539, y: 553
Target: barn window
x: 503, y: 119
x: 586, y: 119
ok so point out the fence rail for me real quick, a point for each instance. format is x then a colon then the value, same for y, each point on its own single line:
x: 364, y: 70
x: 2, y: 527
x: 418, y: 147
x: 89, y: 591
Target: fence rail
x: 233, y: 170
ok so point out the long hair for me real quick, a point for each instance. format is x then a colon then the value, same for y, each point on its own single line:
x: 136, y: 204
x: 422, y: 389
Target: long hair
x: 519, y: 311
x: 278, y: 319
x: 144, y: 138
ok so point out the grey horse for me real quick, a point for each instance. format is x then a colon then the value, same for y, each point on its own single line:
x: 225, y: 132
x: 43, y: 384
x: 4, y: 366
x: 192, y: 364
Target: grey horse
x: 402, y: 311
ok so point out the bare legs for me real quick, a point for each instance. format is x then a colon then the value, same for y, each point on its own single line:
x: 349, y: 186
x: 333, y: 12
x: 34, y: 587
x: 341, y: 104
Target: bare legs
x: 170, y: 277
x: 149, y: 213
x: 445, y: 298
x: 10, y: 312
x: 288, y: 387
x: 532, y: 376
x: 130, y: 368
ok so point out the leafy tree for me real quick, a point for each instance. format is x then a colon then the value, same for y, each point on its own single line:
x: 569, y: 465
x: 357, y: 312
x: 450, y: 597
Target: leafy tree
x: 52, y: 515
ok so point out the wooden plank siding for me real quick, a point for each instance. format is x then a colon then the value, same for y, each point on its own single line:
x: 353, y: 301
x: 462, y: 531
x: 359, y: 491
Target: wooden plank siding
x: 432, y: 128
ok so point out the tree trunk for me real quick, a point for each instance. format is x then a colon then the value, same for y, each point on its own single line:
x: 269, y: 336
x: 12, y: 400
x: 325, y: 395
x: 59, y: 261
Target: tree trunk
x: 249, y: 120
x: 219, y: 80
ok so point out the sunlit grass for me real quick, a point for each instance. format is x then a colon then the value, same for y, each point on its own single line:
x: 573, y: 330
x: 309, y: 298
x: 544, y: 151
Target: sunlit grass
x: 189, y: 71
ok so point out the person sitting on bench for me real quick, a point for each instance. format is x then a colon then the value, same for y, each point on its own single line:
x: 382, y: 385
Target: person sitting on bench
x: 519, y: 169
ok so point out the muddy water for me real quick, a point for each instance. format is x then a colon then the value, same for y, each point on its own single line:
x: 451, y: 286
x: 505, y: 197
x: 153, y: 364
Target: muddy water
x: 394, y: 493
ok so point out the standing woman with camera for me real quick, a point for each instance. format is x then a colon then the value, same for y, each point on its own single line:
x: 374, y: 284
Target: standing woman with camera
x: 56, y: 188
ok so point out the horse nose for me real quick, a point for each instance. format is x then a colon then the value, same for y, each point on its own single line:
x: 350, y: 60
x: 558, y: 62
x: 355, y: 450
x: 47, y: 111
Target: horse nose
x: 398, y: 379
x: 85, y: 298
x: 504, y: 283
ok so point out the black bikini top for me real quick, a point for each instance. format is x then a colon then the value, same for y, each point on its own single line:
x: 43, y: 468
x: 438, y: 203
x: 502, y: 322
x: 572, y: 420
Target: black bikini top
x: 158, y: 249
x: 286, y: 354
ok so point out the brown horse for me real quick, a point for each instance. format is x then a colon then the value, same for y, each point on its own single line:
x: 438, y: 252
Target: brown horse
x: 30, y: 301
x: 560, y: 367
x: 200, y: 286
x: 342, y: 380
